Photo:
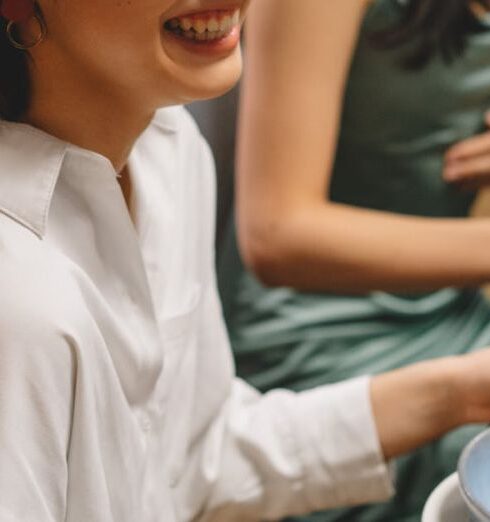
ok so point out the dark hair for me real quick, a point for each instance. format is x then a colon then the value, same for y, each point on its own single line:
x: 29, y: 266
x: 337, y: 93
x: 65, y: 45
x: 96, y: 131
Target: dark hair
x: 431, y: 27
x: 14, y: 78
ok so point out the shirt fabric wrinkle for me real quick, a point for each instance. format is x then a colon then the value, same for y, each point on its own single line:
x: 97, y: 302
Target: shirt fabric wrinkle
x: 157, y: 428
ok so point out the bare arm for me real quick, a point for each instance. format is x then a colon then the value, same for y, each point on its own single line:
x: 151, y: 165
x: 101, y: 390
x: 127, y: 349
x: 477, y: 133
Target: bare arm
x: 420, y: 403
x: 298, y: 59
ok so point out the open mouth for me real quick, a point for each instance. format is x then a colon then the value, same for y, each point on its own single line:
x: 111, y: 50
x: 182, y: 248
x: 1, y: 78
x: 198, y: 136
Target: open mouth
x: 210, y: 26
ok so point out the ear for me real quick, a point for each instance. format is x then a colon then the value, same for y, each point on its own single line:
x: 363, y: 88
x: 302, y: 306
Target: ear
x: 17, y: 10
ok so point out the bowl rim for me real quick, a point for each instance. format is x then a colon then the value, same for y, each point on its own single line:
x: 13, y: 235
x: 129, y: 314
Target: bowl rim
x: 470, y: 500
x: 438, y: 497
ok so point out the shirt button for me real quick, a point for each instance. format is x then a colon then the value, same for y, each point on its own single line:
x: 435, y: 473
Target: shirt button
x: 162, y: 407
x: 145, y: 422
x: 297, y: 486
x: 132, y: 300
x: 173, y: 480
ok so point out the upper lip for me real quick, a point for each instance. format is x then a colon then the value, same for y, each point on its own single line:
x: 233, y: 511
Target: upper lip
x: 212, y: 6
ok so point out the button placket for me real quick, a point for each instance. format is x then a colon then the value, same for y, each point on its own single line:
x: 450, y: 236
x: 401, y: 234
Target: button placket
x: 144, y: 421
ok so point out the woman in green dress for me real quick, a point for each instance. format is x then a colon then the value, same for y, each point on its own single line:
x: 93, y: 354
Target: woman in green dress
x: 352, y: 212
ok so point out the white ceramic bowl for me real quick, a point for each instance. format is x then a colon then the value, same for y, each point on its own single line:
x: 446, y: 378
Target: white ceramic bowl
x: 446, y: 503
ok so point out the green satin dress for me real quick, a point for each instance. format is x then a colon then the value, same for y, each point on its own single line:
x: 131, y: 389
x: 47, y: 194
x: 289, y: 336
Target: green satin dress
x: 396, y: 126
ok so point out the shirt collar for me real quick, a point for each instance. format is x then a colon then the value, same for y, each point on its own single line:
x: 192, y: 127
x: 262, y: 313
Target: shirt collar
x: 31, y: 162
x: 168, y: 119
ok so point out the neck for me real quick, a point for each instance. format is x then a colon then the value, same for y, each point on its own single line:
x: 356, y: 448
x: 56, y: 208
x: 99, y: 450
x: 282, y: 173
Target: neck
x: 90, y: 116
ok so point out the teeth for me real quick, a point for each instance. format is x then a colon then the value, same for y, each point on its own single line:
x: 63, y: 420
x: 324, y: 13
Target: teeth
x: 213, y: 25
x: 185, y: 23
x: 225, y: 23
x: 205, y: 28
x: 200, y: 26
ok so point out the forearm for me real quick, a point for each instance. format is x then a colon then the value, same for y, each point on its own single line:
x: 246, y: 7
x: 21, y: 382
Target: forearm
x: 290, y: 235
x: 327, y: 247
x: 420, y: 403
x: 415, y: 405
x: 283, y: 453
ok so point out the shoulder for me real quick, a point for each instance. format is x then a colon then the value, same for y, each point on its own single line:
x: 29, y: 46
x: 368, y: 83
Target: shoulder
x: 37, y: 295
x: 183, y: 151
x: 181, y: 128
x: 185, y: 162
x: 38, y: 360
x: 179, y: 122
x: 175, y: 119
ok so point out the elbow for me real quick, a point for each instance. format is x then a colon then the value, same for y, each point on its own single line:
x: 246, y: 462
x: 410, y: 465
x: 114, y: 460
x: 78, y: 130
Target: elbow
x: 267, y: 256
x: 266, y: 269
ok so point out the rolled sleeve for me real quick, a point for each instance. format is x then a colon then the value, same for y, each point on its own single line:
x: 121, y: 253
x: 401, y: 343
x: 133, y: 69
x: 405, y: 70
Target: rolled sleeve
x: 338, y: 446
x: 286, y: 454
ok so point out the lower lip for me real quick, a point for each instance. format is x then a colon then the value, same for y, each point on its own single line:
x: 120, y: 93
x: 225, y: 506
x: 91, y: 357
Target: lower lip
x: 222, y: 46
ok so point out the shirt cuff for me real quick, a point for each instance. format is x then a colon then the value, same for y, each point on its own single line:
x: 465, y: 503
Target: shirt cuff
x: 339, y: 447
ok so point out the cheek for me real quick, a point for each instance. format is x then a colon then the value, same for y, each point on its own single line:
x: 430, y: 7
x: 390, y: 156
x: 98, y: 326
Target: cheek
x: 119, y: 46
x: 112, y: 40
x: 104, y: 24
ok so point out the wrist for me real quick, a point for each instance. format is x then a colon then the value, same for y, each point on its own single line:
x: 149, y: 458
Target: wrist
x: 415, y: 405
x: 467, y: 377
x: 442, y: 377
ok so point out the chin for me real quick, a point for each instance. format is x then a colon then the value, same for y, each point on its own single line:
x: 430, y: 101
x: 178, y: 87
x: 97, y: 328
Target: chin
x: 217, y: 81
x: 201, y: 82
x: 201, y: 51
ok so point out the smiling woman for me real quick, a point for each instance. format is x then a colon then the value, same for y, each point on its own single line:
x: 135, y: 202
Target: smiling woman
x: 129, y: 48
x: 118, y: 400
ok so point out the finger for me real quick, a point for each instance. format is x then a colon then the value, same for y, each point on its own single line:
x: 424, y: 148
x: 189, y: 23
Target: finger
x: 471, y: 147
x: 487, y: 118
x: 467, y: 169
x: 473, y: 186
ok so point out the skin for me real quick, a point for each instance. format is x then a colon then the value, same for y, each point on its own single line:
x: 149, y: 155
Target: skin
x: 468, y: 162
x: 420, y: 403
x: 113, y: 69
x: 115, y: 57
x: 289, y: 233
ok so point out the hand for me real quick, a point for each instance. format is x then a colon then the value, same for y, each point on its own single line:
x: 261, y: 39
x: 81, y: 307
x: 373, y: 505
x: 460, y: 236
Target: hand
x: 420, y: 403
x: 467, y: 163
x: 471, y: 378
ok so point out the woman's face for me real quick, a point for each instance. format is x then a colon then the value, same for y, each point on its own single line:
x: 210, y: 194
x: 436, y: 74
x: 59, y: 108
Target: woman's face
x: 161, y: 51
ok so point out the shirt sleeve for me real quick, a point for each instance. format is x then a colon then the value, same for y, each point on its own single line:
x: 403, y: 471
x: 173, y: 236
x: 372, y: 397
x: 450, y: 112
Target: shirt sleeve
x: 265, y: 457
x: 36, y: 383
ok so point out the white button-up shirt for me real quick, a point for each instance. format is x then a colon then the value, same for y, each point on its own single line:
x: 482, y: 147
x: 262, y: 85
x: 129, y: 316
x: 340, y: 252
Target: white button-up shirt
x: 118, y: 401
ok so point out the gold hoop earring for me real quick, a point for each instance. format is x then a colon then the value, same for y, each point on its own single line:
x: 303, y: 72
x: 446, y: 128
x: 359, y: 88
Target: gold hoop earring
x: 26, y: 46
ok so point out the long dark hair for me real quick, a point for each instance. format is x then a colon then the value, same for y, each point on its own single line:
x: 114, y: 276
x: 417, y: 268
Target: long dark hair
x: 431, y: 27
x: 14, y: 78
